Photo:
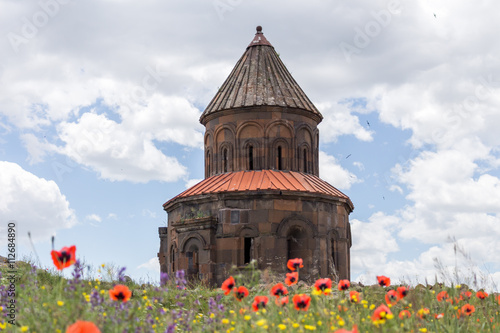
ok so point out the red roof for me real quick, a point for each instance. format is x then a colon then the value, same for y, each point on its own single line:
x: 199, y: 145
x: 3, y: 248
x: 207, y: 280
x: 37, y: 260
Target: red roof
x: 262, y: 180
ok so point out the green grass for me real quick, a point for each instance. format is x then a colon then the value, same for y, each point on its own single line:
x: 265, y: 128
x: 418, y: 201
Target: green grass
x: 48, y: 302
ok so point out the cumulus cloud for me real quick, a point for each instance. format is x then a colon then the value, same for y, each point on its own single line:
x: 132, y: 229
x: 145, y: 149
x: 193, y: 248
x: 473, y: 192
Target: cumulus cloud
x: 111, y: 149
x: 151, y: 265
x: 36, y: 204
x: 331, y: 171
x: 338, y: 120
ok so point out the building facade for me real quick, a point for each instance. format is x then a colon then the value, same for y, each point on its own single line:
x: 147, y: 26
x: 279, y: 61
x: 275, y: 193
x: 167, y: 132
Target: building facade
x: 262, y: 198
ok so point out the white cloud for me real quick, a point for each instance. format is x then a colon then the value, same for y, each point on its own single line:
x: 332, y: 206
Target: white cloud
x: 93, y: 217
x: 116, y: 151
x: 35, y: 203
x: 338, y: 120
x: 192, y: 182
x: 152, y: 265
x: 331, y: 171
x: 112, y: 216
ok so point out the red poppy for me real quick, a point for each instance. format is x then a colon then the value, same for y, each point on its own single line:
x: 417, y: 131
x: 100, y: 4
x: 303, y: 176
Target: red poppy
x: 443, y: 295
x: 383, y: 281
x: 294, y: 264
x: 438, y: 315
x: 282, y: 301
x: 291, y: 278
x: 240, y: 293
x: 120, y: 293
x: 344, y: 285
x: 391, y: 297
x: 81, y: 326
x: 228, y: 285
x: 404, y: 314
x: 468, y: 309
x: 381, y: 313
x: 64, y: 258
x: 301, y: 302
x: 402, y: 292
x: 467, y: 294
x: 481, y: 295
x: 354, y: 296
x: 343, y: 330
x: 259, y: 302
x: 279, y: 290
x: 323, y: 285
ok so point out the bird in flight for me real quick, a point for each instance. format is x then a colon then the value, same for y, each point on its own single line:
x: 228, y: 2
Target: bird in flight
x: 347, y: 156
x: 435, y: 15
x: 368, y: 123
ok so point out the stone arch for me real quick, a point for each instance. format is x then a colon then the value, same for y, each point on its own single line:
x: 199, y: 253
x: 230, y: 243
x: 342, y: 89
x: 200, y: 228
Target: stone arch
x: 193, y: 235
x: 249, y: 131
x: 224, y: 135
x: 226, y: 157
x: 173, y: 257
x: 290, y: 221
x: 304, y: 158
x: 270, y: 127
x: 280, y: 155
x: 247, y: 231
x: 251, y: 155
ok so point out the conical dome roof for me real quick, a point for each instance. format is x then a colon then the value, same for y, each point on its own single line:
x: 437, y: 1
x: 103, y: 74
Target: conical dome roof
x: 260, y: 79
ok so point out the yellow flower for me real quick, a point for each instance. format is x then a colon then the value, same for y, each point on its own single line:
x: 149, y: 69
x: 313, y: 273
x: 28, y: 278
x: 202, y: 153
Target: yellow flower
x: 295, y: 325
x: 247, y: 317
x: 3, y: 326
x: 319, y: 323
x: 341, y: 322
x: 43, y: 287
x: 310, y: 327
x: 423, y: 330
x: 372, y: 306
x: 24, y: 328
x: 60, y: 303
x: 104, y: 314
x: 103, y: 265
x: 225, y: 321
x: 261, y: 322
x: 282, y: 327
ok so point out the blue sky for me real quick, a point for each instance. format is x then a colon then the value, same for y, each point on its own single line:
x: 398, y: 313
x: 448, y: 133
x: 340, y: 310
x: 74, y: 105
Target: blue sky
x: 100, y: 101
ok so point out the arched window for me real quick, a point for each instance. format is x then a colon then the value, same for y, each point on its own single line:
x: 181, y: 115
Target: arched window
x: 224, y: 160
x: 305, y: 159
x: 208, y: 163
x: 247, y: 254
x: 279, y: 161
x: 192, y: 256
x: 250, y: 157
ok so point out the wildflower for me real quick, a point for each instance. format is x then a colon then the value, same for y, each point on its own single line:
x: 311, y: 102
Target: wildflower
x: 120, y: 293
x: 391, y: 297
x: 240, y: 293
x: 443, y: 295
x: 282, y: 327
x: 164, y: 278
x: 24, y: 328
x: 301, y: 302
x: 383, y: 281
x: 354, y: 296
x: 81, y: 326
x: 402, y: 292
x: 467, y: 294
x: 64, y: 258
x: 291, y: 278
x: 282, y: 301
x: 438, y: 315
x: 344, y: 285
x: 60, y: 303
x: 381, y: 314
x: 228, y: 285
x: 481, y: 295
x: 259, y: 302
x: 323, y: 285
x: 468, y: 309
x: 279, y: 290
x: 423, y: 312
x: 294, y: 264
x: 342, y: 330
x: 404, y: 314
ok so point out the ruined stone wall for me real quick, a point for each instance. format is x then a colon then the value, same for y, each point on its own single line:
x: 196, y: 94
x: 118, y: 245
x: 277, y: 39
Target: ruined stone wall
x: 266, y: 227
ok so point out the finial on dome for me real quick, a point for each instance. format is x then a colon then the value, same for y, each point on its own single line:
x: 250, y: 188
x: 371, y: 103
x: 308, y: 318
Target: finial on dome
x: 259, y: 29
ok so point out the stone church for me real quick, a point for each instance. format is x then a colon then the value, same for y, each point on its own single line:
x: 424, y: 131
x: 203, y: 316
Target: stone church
x: 262, y: 198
